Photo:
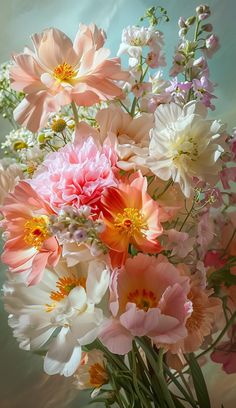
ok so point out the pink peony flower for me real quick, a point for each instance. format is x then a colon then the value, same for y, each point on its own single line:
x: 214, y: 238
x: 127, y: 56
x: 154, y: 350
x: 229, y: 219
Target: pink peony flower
x: 148, y: 297
x: 76, y: 175
x: 29, y: 246
x: 58, y: 72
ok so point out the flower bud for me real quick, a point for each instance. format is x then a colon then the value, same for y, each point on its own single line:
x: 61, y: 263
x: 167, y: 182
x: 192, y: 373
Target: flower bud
x: 181, y: 23
x: 207, y: 27
x: 183, y: 32
x: 41, y: 138
x: 190, y: 21
x: 203, y: 9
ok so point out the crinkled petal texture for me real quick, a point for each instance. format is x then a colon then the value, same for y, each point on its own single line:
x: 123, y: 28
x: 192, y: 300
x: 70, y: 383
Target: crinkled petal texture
x: 58, y: 72
x: 75, y: 175
x: 131, y: 216
x: 29, y: 246
x: 148, y: 297
x: 206, y: 310
x: 130, y: 136
x: 60, y: 313
x: 184, y: 145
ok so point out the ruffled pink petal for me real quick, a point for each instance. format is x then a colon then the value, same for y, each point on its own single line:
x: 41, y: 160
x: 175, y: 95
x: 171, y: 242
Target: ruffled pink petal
x: 53, y: 48
x: 116, y: 338
x: 88, y: 37
x: 25, y: 74
x: 34, y: 110
x: 38, y: 265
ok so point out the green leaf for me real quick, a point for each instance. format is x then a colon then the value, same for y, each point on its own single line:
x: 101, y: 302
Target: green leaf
x: 177, y: 402
x: 199, y: 382
x: 222, y: 276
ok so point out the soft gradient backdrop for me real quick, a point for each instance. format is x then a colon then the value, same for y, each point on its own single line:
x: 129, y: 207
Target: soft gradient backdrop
x: 23, y: 383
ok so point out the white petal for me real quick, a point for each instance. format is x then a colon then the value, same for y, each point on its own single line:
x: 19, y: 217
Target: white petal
x: 63, y: 356
x: 86, y: 326
x: 97, y: 281
x: 77, y: 297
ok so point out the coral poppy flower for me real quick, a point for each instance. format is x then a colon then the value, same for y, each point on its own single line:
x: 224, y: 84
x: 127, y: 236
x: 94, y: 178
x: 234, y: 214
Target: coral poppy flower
x: 131, y: 216
x: 29, y: 246
x: 58, y: 72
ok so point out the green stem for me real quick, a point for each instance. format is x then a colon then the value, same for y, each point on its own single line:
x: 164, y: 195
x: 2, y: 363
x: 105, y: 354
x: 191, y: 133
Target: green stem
x: 170, y: 182
x: 187, y: 216
x: 75, y: 112
x: 180, y: 387
x: 158, y: 370
x: 132, y: 112
x: 231, y: 239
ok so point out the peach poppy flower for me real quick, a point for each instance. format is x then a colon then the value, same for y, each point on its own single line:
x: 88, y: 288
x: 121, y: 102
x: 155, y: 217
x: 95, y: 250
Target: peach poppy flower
x: 131, y: 216
x: 58, y: 72
x: 29, y: 246
x: 148, y: 297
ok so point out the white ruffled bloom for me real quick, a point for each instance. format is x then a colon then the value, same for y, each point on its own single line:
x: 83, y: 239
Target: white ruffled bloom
x: 135, y: 38
x: 59, y: 313
x: 184, y: 144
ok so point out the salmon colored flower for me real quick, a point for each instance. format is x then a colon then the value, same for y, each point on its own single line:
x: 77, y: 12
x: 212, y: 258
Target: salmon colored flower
x: 58, y: 72
x: 131, y: 216
x: 29, y: 246
x: 148, y: 297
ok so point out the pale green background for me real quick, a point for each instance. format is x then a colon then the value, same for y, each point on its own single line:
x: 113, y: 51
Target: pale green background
x: 22, y: 383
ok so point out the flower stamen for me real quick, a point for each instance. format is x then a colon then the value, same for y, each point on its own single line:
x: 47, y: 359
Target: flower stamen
x: 144, y: 299
x: 130, y: 221
x: 98, y: 375
x: 36, y: 231
x: 64, y: 72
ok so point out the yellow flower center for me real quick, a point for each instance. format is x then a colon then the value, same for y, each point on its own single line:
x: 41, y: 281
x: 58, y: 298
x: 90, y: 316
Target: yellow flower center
x: 144, y: 299
x: 64, y: 72
x: 98, y: 375
x: 130, y: 221
x: 184, y: 146
x: 19, y: 145
x: 36, y: 231
x: 58, y: 125
x: 65, y: 285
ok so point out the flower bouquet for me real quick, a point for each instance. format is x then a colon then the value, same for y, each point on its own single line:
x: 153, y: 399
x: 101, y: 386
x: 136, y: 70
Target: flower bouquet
x: 118, y: 212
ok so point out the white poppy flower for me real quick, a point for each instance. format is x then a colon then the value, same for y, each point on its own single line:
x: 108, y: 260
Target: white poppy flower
x: 184, y: 144
x: 59, y: 313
